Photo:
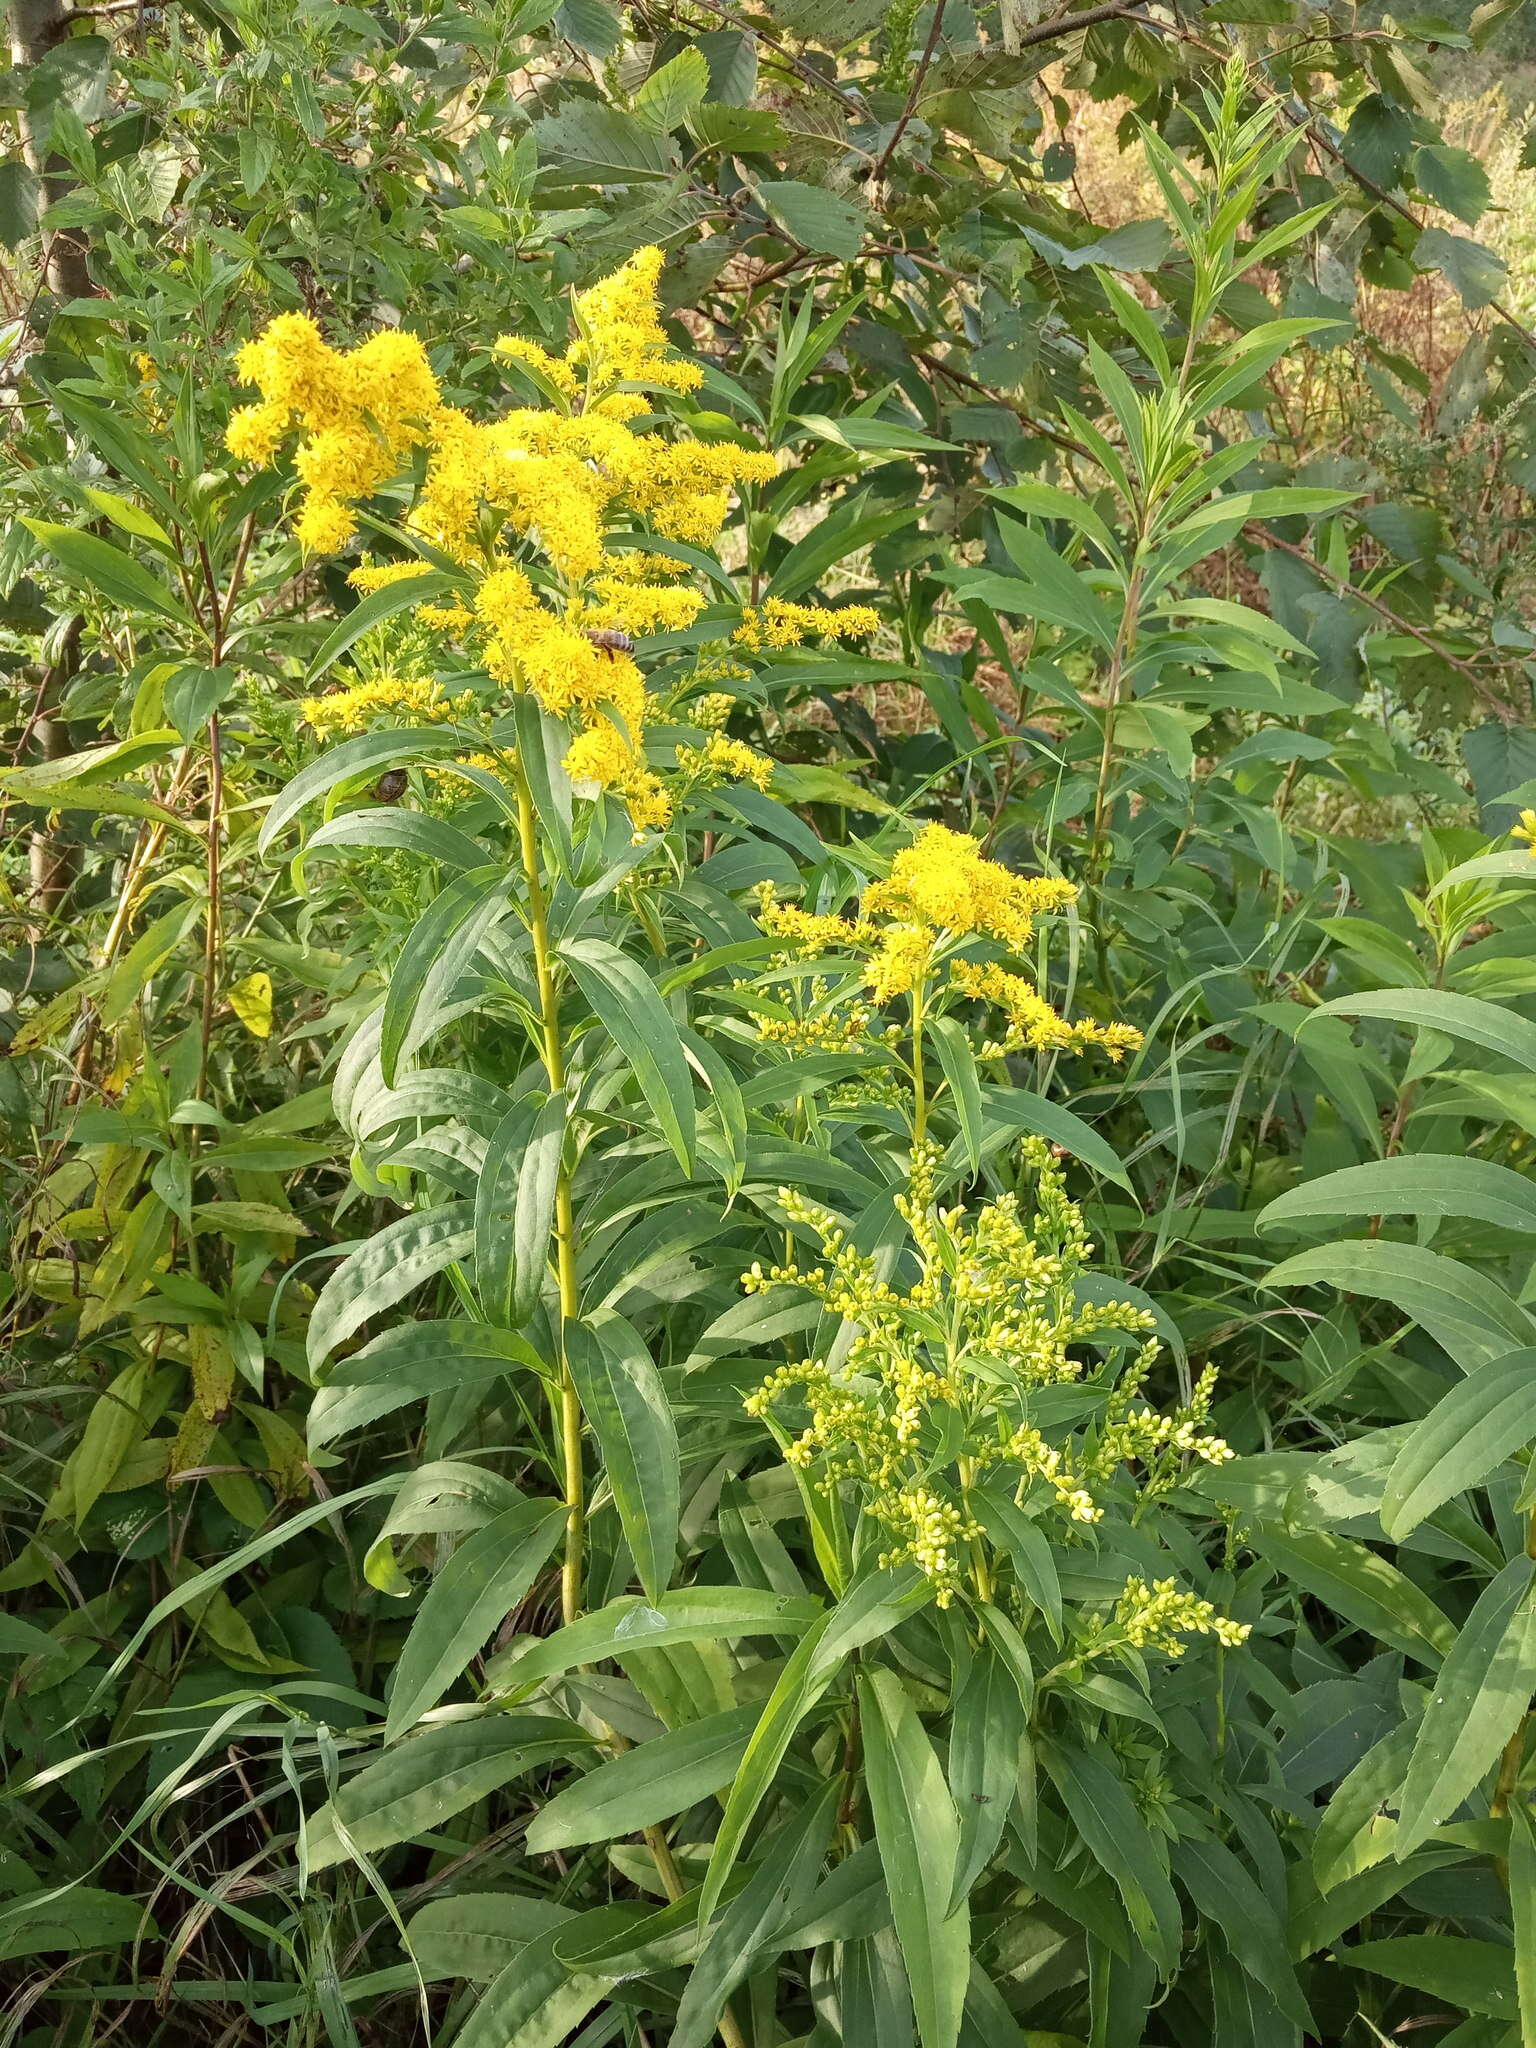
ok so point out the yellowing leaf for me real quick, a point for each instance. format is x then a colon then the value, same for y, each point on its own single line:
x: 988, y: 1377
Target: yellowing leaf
x: 251, y: 1001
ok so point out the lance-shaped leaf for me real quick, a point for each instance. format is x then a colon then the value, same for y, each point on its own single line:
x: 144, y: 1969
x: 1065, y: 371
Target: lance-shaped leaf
x: 1479, y: 1699
x: 623, y: 1399
x: 645, y: 1785
x: 1479, y: 1423
x: 626, y: 1003
x: 440, y: 948
x: 1413, y: 1184
x: 471, y: 1597
x: 91, y: 563
x: 918, y: 1833
x: 514, y: 1209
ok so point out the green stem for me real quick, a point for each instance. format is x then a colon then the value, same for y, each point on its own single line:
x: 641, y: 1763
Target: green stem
x: 919, y: 1090
x: 566, y: 1408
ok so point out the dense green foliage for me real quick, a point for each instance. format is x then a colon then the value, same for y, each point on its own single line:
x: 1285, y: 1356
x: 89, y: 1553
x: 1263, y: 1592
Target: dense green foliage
x: 876, y: 1384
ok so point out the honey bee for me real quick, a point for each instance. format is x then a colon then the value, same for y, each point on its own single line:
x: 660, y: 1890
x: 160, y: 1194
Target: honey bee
x: 390, y: 786
x: 609, y: 640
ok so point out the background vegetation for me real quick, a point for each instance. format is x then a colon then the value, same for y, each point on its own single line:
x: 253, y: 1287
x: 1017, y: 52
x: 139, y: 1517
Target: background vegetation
x: 413, y: 1630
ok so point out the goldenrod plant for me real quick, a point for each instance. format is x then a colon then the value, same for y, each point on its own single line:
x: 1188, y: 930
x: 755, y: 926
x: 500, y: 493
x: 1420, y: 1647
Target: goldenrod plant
x: 718, y: 829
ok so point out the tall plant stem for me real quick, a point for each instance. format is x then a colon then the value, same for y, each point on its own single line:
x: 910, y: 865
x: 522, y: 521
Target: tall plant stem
x: 1125, y: 643
x: 566, y: 1407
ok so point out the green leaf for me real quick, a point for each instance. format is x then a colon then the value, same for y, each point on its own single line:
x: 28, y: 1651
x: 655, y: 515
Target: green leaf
x: 21, y: 202
x: 1429, y: 1009
x: 1018, y: 1109
x: 824, y: 222
x: 587, y: 143
x: 986, y: 1736
x: 386, y: 825
x: 671, y: 93
x: 627, y: 1004
x: 1476, y: 272
x: 70, y: 1920
x: 919, y: 1838
x: 384, y: 1269
x: 1225, y: 1892
x: 1522, y: 1899
x: 688, y: 1614
x: 481, y: 1584
x: 1360, y: 1586
x: 957, y: 1059
x: 368, y: 754
x: 786, y: 1873
x: 871, y: 1608
x: 1467, y: 1313
x: 623, y: 1399
x: 95, y: 565
x: 440, y: 949
x: 1105, y: 1817
x: 1453, y: 179
x: 536, y: 2001
x: 429, y: 1778
x: 1412, y: 1184
x: 476, y: 1934
x: 514, y: 1210
x: 1478, y: 1976
x: 1047, y: 589
x: 373, y: 610
x: 193, y: 695
x: 645, y: 1785
x: 1476, y: 1704
x: 1482, y: 1421
x: 411, y: 1364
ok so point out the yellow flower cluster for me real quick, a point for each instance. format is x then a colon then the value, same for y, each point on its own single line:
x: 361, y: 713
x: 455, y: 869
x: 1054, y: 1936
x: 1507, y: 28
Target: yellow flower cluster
x: 1159, y: 1443
x: 941, y: 890
x: 1526, y: 830
x: 723, y: 759
x: 361, y: 705
x: 358, y: 414
x: 778, y: 623
x: 932, y: 1394
x: 944, y: 882
x: 1158, y: 1616
x: 536, y: 485
x: 1033, y: 1026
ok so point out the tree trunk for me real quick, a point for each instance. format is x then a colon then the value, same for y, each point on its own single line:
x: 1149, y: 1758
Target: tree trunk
x: 37, y: 26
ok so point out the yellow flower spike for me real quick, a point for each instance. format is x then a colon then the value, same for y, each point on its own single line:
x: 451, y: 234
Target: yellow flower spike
x: 1526, y: 830
x: 781, y: 624
x: 622, y: 338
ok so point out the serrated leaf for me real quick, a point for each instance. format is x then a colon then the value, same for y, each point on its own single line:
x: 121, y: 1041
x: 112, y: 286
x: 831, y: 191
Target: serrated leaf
x: 670, y: 94
x: 824, y: 222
